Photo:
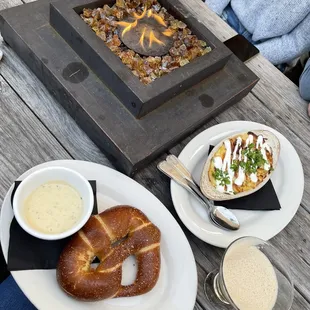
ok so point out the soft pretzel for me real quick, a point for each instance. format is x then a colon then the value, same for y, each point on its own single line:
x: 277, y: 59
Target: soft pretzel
x: 112, y: 236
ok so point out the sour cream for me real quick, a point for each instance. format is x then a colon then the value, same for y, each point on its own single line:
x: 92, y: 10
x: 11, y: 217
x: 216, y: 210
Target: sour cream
x: 239, y: 177
x: 53, y: 207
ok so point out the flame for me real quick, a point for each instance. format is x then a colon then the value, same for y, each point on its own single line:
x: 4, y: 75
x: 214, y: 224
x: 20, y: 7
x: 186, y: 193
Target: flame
x: 168, y: 32
x: 152, y: 38
x: 158, y: 19
x: 136, y: 16
x: 149, y: 34
x: 141, y: 41
x: 128, y: 26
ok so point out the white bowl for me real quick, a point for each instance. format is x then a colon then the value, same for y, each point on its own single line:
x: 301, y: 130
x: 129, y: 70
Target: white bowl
x: 34, y: 180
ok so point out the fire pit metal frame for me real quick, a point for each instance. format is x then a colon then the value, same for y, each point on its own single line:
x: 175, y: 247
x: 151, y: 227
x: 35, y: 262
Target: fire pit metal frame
x: 138, y: 98
x: 130, y: 143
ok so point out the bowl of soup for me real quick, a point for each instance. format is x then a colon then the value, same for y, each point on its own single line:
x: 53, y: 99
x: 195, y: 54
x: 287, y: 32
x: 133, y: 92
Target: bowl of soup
x: 53, y: 203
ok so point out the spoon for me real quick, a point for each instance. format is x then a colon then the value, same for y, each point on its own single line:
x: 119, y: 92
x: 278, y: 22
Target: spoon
x: 220, y: 216
x: 224, y: 216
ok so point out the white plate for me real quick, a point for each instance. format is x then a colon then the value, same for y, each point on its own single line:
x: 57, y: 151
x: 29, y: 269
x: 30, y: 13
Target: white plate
x: 287, y: 179
x: 176, y: 288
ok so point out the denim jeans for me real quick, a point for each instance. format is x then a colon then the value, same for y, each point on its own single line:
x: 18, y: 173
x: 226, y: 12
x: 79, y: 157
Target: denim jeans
x: 304, y: 82
x: 12, y: 298
x: 233, y: 21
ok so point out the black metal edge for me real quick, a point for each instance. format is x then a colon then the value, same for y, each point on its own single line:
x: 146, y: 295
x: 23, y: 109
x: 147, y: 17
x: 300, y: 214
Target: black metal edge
x: 195, y: 79
x: 68, y: 102
x: 243, y: 49
x: 93, y: 56
x: 129, y: 166
x: 224, y: 105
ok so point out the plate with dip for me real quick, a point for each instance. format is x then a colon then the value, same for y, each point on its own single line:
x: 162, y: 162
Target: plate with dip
x: 50, y: 209
x: 176, y: 288
x: 287, y: 180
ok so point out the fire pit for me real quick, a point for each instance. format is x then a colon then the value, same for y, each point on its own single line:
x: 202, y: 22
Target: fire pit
x: 125, y: 71
x: 136, y: 29
x: 133, y: 121
x: 146, y: 34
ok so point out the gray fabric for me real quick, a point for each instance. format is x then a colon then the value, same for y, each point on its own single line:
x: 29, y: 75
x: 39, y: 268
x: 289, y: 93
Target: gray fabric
x: 304, y: 82
x: 282, y: 26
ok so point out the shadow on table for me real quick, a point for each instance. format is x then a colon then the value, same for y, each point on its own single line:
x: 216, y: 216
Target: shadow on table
x: 4, y: 273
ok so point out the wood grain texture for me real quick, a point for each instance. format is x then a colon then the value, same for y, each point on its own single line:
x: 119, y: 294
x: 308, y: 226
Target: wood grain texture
x: 5, y: 4
x: 176, y: 150
x: 276, y: 90
x: 198, y: 307
x: 273, y: 86
x: 208, y: 257
x: 47, y: 109
x: 297, y: 252
x: 135, y: 142
x: 257, y: 112
x: 203, y: 268
x: 24, y: 141
x: 298, y: 228
x: 122, y: 82
x: 274, y: 102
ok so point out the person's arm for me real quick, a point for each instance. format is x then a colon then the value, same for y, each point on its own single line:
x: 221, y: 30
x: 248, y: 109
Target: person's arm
x: 304, y: 82
x: 217, y: 6
x: 289, y: 46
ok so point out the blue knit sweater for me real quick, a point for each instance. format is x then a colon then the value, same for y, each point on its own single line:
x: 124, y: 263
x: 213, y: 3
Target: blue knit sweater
x: 281, y: 26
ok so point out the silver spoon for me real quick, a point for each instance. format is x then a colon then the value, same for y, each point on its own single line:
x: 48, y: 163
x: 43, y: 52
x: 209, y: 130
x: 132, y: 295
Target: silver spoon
x: 224, y: 216
x: 220, y: 216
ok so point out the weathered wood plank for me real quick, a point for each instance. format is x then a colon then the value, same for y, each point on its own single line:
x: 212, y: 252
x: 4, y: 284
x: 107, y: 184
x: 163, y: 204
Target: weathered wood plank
x: 40, y: 48
x: 176, y: 150
x: 300, y: 303
x: 259, y: 112
x: 159, y: 185
x: 251, y: 109
x: 206, y: 256
x: 24, y: 141
x: 296, y: 122
x: 9, y: 3
x: 204, y: 15
x: 198, y: 307
x: 299, y: 227
x: 273, y: 86
x: 298, y: 253
x: 47, y: 109
x: 277, y: 91
x: 297, y: 230
x: 156, y: 182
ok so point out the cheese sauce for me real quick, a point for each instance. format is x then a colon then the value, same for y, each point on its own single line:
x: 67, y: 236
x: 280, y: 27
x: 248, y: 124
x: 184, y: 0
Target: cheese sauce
x: 53, y: 207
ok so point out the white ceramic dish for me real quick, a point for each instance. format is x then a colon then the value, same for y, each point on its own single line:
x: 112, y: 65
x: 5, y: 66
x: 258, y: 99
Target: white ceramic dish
x: 210, y: 191
x: 287, y: 179
x: 176, y: 288
x: 39, y: 177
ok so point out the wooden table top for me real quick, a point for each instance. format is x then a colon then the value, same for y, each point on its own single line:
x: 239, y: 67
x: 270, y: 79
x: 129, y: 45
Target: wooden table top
x: 34, y: 129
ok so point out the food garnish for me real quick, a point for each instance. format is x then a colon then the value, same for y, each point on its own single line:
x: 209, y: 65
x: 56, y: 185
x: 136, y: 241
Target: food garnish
x: 221, y: 176
x: 241, y: 163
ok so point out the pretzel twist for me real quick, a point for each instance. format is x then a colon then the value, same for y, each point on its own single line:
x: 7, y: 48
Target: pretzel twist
x: 136, y: 236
